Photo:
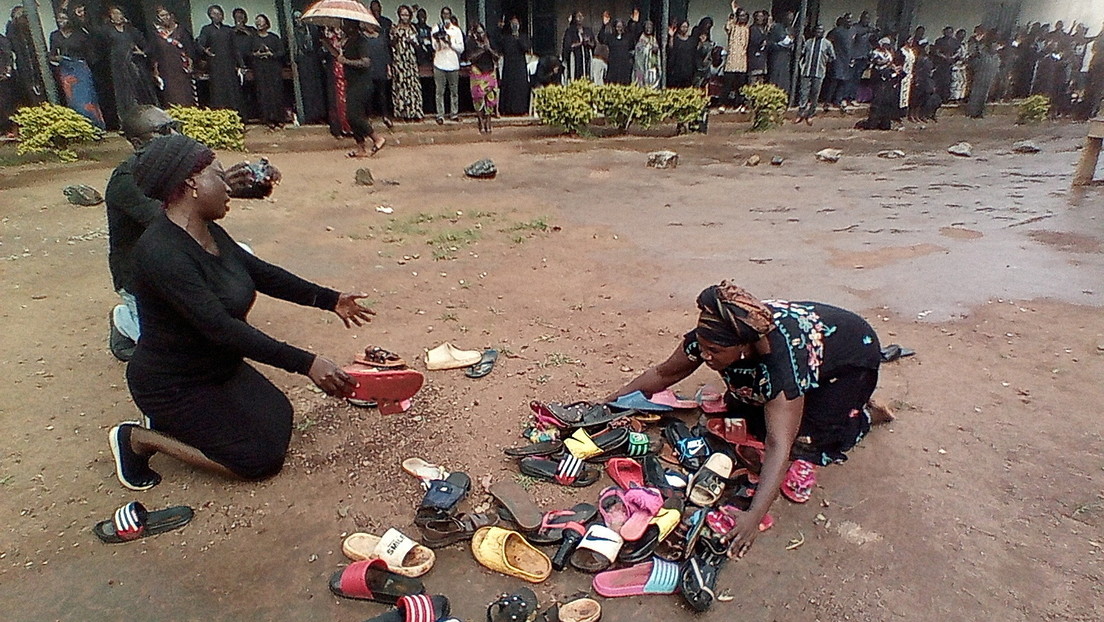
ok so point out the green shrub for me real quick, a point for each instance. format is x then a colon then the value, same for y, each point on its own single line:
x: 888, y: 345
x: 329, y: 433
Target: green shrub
x: 570, y: 107
x: 1034, y: 109
x: 48, y: 128
x: 573, y: 107
x: 218, y: 129
x: 768, y: 105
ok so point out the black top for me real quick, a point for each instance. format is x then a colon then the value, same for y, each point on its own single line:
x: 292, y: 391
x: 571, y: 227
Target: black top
x: 812, y: 343
x: 77, y: 46
x: 379, y: 52
x: 481, y: 57
x: 129, y: 212
x: 356, y: 49
x: 193, y: 305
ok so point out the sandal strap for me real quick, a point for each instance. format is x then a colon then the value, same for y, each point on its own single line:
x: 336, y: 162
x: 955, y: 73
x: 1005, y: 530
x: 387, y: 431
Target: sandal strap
x: 569, y: 469
x: 664, y: 577
x: 130, y: 521
x: 417, y: 608
x: 581, y: 445
x: 639, y: 444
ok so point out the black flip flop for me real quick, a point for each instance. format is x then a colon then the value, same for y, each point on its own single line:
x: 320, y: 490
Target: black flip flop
x: 517, y: 607
x: 420, y: 607
x: 514, y: 498
x: 698, y: 579
x: 568, y: 471
x: 133, y: 521
x: 892, y: 352
x: 485, y: 364
x: 546, y: 448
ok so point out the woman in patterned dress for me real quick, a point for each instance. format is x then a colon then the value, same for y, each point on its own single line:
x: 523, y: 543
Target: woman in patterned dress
x: 407, y: 87
x: 799, y: 373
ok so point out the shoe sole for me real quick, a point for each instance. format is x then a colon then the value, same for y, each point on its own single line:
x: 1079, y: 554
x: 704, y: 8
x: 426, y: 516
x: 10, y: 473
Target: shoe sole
x: 116, y: 451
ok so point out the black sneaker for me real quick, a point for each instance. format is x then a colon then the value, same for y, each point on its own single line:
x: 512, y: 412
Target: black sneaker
x: 132, y: 469
x: 120, y: 345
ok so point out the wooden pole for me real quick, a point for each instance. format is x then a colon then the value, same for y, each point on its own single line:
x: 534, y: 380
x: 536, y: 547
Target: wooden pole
x: 38, y: 38
x: 799, y: 49
x: 284, y: 8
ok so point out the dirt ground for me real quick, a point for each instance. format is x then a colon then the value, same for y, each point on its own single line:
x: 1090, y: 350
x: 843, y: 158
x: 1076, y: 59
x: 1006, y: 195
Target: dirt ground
x: 581, y: 264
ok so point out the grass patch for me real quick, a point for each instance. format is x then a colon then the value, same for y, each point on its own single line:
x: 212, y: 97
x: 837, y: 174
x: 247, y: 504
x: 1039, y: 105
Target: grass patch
x: 448, y: 242
x: 305, y: 424
x: 558, y: 359
x: 524, y: 481
x: 538, y: 224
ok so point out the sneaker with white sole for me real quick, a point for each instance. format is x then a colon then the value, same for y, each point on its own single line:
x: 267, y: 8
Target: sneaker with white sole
x: 131, y: 468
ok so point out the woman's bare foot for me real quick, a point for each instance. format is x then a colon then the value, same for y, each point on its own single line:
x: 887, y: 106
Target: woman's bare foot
x: 879, y: 413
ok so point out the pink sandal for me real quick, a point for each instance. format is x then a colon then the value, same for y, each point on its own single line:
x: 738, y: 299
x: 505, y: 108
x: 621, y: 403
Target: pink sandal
x: 800, y: 481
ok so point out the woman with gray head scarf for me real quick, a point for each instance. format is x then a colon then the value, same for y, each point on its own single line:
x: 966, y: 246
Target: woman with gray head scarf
x: 799, y: 373
x: 195, y: 286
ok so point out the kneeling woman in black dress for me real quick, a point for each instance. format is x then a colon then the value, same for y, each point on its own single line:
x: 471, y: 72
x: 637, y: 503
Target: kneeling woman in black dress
x: 194, y: 285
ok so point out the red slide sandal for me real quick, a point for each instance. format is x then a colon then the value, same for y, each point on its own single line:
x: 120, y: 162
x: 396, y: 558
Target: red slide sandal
x: 391, y: 389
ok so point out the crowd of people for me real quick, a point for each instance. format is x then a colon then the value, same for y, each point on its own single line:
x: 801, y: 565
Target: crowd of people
x: 108, y: 66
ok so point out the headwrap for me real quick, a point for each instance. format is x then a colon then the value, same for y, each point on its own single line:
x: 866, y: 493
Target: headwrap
x: 166, y: 162
x: 731, y: 316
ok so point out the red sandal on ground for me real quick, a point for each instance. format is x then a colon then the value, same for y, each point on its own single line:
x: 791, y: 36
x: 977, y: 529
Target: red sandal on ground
x: 800, y: 481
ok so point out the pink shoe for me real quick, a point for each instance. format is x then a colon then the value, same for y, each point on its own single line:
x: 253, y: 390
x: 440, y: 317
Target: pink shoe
x: 800, y: 481
x: 710, y: 401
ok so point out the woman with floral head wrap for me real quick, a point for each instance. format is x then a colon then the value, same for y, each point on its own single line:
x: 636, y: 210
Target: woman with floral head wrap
x: 202, y: 402
x: 800, y: 373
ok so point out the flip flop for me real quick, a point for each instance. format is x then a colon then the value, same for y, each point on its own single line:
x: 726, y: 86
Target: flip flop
x: 598, y: 549
x: 668, y: 398
x: 132, y: 521
x: 445, y: 530
x: 684, y: 538
x: 377, y: 148
x: 667, y: 519
x: 698, y: 579
x: 401, y: 554
x: 516, y: 499
x: 507, y: 552
x: 420, y: 608
x: 391, y: 389
x: 448, y: 356
x: 370, y: 580
x: 721, y: 521
x: 637, y: 401
x: 625, y: 472
x: 892, y: 352
x: 375, y: 356
x: 642, y: 505
x: 484, y: 366
x: 578, y: 610
x: 586, y: 447
x: 563, y: 414
x: 552, y: 525
x: 658, y: 576
x: 707, y: 485
x: 546, y: 448
x: 691, y: 449
x: 521, y: 606
x: 568, y: 471
x: 800, y: 481
x: 710, y: 401
x: 426, y: 472
x: 732, y: 430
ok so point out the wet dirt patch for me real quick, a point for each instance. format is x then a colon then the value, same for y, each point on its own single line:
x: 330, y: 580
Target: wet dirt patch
x: 883, y: 256
x: 1068, y: 241
x: 960, y: 233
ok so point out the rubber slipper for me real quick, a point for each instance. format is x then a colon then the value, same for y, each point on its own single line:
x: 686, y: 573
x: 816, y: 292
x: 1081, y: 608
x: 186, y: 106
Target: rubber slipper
x: 612, y: 507
x: 553, y: 522
x: 586, y: 447
x: 446, y: 530
x: 691, y: 449
x: 391, y: 389
x: 892, y: 352
x: 642, y: 505
x: 562, y: 414
x: 507, y: 552
x: 710, y: 401
x: 800, y: 481
x: 484, y: 366
x: 370, y: 580
x: 637, y: 401
x: 401, y: 554
x: 723, y: 520
x: 443, y: 495
x: 578, y: 610
x: 426, y: 472
x: 666, y: 520
x: 598, y: 549
x: 546, y: 448
x: 668, y: 398
x: 568, y: 471
x: 517, y: 607
x: 658, y: 576
x: 448, y: 356
x: 642, y: 549
x: 132, y: 522
x: 375, y: 356
x: 515, y: 499
x: 420, y: 608
x: 684, y: 538
x: 625, y: 472
x: 707, y: 485
x: 732, y: 430
x: 698, y: 579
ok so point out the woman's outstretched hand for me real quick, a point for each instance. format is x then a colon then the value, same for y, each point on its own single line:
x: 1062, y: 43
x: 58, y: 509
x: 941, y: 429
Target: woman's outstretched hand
x: 331, y: 378
x: 350, y: 312
x: 742, y: 536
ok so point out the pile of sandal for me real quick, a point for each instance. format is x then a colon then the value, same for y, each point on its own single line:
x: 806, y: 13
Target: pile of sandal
x: 437, y: 517
x: 523, y: 606
x: 384, y: 380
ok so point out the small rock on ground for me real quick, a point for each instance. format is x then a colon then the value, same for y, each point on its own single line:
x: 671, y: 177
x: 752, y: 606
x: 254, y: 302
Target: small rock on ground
x: 1025, y: 146
x: 777, y: 161
x: 663, y: 159
x: 752, y: 161
x: 891, y: 154
x: 829, y: 155
x: 962, y: 149
x: 482, y: 169
x: 364, y: 177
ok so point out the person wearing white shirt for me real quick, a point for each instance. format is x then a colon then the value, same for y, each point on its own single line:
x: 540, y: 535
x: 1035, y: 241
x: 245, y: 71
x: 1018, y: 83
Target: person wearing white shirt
x: 448, y: 45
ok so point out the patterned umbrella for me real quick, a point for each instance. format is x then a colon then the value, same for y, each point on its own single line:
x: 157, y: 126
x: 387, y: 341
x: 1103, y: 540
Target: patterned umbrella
x: 331, y: 12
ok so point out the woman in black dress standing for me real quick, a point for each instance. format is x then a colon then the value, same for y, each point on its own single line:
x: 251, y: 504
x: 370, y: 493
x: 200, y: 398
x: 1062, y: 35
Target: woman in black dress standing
x: 515, y: 70
x: 174, y: 52
x: 268, y: 73
x: 205, y: 405
x: 308, y: 57
x: 621, y: 45
x: 130, y: 69
x: 682, y: 56
x: 216, y: 43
